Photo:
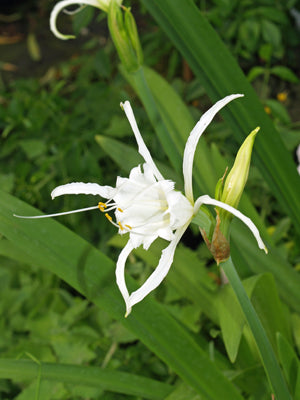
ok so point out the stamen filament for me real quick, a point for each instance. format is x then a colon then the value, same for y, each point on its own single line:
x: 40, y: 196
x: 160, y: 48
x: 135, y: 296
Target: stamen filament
x: 57, y: 214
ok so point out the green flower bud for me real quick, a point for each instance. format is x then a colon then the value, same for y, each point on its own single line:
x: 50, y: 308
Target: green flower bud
x: 236, y: 180
x: 133, y: 34
x: 124, y: 33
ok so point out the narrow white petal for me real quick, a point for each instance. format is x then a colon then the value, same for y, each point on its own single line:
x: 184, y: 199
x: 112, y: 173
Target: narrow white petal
x: 142, y: 148
x: 83, y: 188
x: 160, y: 271
x: 60, y: 6
x: 56, y: 214
x: 120, y: 274
x: 191, y: 144
x: 208, y: 200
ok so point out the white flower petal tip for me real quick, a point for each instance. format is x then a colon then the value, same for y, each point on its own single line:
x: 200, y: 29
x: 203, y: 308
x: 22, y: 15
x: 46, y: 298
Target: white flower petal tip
x: 142, y: 148
x: 65, y: 3
x: 160, y: 272
x: 128, y: 310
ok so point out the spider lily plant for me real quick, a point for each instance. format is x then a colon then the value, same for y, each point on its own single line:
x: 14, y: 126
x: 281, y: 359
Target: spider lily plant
x: 146, y: 205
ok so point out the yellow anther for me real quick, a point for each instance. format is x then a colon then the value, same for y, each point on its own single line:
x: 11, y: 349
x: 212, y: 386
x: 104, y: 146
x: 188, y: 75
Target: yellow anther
x: 120, y: 209
x: 128, y: 226
x: 108, y: 217
x: 120, y: 225
x: 102, y: 206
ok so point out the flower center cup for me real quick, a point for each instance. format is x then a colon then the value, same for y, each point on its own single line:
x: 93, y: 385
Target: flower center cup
x: 144, y: 206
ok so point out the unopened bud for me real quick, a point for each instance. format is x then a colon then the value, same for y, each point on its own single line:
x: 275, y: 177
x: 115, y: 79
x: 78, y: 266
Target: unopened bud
x: 236, y: 180
x: 124, y: 33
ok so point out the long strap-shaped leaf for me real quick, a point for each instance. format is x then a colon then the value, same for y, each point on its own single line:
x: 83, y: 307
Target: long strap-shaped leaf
x: 220, y: 74
x: 115, y: 381
x: 50, y: 245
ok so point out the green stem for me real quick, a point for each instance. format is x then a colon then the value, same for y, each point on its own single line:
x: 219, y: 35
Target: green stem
x: 266, y: 351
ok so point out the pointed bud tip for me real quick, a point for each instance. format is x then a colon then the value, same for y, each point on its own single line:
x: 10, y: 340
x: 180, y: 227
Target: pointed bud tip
x: 255, y: 131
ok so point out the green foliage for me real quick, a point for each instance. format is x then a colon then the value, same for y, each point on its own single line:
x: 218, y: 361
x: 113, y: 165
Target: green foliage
x: 248, y: 26
x: 63, y: 331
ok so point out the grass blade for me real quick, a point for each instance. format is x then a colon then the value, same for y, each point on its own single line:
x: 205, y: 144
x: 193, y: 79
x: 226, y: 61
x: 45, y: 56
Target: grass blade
x: 119, y: 382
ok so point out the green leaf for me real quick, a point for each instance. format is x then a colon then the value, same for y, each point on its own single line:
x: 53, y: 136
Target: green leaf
x: 118, y: 382
x: 279, y: 111
x: 7, y: 181
x: 296, y: 329
x: 33, y: 147
x: 284, y: 73
x: 270, y: 13
x: 255, y: 72
x: 297, y: 388
x: 219, y: 73
x: 243, y: 253
x: 263, y: 293
x: 183, y: 392
x: 264, y: 346
x: 118, y: 151
x: 232, y: 321
x: 264, y: 296
x: 50, y: 245
x: 249, y: 32
x: 271, y: 33
x: 289, y: 361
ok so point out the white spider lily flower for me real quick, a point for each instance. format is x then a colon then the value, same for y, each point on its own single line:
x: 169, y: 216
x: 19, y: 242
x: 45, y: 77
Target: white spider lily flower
x: 101, y: 4
x: 147, y: 206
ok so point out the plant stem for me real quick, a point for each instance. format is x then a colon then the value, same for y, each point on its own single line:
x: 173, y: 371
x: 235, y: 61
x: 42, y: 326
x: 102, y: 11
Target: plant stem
x: 265, y: 349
